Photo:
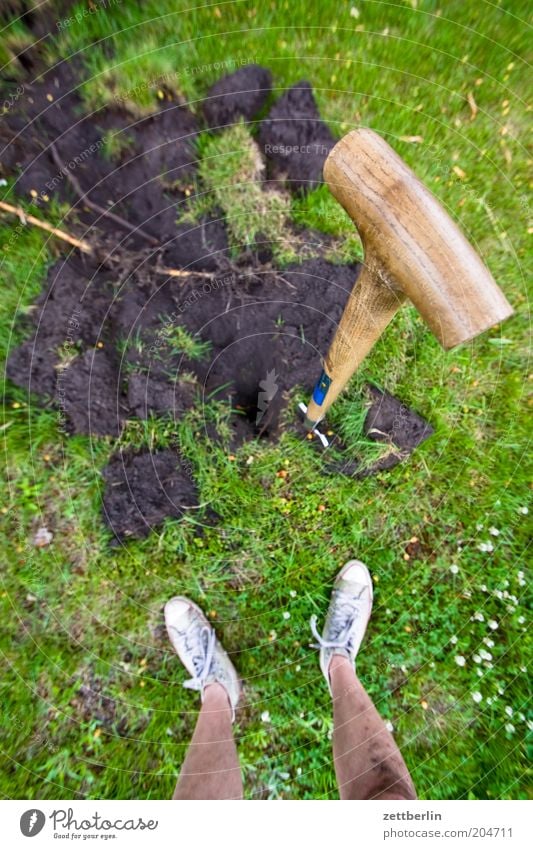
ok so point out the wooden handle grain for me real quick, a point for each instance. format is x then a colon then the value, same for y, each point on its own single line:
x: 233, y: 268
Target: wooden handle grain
x: 412, y: 240
x: 369, y: 309
x: 413, y: 250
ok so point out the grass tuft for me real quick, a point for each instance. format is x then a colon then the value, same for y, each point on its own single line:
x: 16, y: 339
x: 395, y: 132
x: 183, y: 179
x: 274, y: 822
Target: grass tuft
x: 232, y: 171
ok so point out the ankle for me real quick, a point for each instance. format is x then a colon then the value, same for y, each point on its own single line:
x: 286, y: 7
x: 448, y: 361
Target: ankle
x: 342, y: 678
x: 216, y: 697
x: 339, y: 660
x: 341, y: 666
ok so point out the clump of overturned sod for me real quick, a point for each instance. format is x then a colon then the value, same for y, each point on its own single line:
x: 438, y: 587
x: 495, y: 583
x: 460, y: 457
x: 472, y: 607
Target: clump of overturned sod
x: 232, y: 170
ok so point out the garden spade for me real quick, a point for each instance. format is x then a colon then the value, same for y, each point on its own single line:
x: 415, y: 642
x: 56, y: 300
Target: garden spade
x: 412, y: 250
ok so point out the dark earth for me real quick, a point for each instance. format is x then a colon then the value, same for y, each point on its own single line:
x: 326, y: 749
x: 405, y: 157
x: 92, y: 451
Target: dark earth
x: 101, y: 337
x: 145, y: 488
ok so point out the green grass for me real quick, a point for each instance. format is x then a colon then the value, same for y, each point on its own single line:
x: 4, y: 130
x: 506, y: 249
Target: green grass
x: 180, y: 342
x: 231, y: 172
x: 116, y: 144
x: 80, y: 612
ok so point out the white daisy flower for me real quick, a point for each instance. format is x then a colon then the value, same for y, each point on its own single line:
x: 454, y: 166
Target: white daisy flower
x: 265, y: 716
x: 510, y: 728
x: 477, y: 697
x: 493, y: 625
x: 286, y: 614
x: 453, y: 640
x: 523, y: 510
x: 460, y: 660
x: 454, y: 568
x: 479, y: 616
x: 389, y: 726
x: 494, y: 532
x: 509, y: 711
x: 486, y: 547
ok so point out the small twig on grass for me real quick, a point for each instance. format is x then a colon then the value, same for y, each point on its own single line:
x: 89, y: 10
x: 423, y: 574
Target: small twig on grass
x: 87, y: 248
x: 106, y: 213
x: 180, y: 272
x: 81, y: 244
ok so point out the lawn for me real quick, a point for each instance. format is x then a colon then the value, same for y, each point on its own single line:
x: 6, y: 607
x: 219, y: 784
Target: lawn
x: 91, y: 697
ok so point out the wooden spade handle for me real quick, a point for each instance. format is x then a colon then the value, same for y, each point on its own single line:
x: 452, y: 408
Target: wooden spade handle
x: 412, y: 249
x: 370, y: 307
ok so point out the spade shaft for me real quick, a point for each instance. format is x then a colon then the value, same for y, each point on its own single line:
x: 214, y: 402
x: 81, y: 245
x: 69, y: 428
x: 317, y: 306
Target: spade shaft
x: 412, y: 250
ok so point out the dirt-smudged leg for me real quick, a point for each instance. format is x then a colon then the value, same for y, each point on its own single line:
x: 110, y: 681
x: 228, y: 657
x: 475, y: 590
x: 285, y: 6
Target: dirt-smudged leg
x: 368, y: 763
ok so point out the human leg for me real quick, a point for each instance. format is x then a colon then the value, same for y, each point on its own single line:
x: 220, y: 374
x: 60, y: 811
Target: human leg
x: 211, y: 767
x: 368, y: 763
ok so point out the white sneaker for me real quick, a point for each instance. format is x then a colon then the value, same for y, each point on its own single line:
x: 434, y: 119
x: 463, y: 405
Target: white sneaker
x: 196, y: 645
x: 348, y: 614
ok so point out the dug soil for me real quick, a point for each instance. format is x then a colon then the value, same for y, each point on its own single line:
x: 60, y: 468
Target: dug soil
x: 102, y: 341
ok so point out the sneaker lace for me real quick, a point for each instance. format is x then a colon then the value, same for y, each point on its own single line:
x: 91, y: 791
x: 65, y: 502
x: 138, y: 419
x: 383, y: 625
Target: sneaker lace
x: 346, y: 613
x: 202, y: 663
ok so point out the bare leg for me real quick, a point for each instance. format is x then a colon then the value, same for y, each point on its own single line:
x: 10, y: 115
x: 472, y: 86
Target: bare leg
x: 368, y: 763
x: 211, y: 767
